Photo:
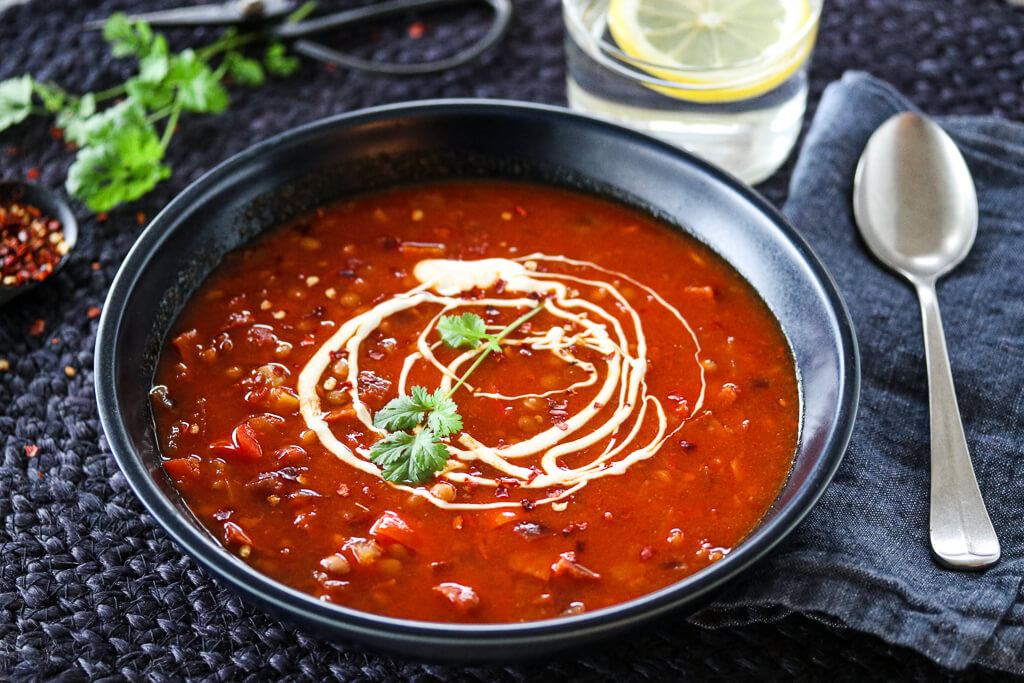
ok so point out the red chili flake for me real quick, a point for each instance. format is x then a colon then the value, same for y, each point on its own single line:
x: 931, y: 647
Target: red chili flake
x: 37, y: 328
x: 14, y: 150
x: 416, y: 30
x: 31, y: 451
x: 94, y: 312
x: 101, y: 216
x: 520, y: 210
x: 646, y: 553
x: 31, y: 245
x: 56, y: 133
x: 95, y: 265
x: 140, y: 218
x: 33, y: 173
x: 55, y: 341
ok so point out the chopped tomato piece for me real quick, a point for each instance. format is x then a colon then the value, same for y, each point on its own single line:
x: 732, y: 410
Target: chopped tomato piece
x: 526, y: 563
x: 364, y: 551
x: 463, y: 597
x: 234, y: 534
x: 393, y: 528
x: 705, y: 292
x: 492, y: 519
x: 187, y: 344
x: 243, y: 444
x: 182, y: 468
x: 568, y: 566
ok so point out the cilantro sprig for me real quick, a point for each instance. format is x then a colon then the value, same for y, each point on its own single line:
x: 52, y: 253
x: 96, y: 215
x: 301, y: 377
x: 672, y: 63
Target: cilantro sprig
x: 413, y: 451
x: 121, y: 146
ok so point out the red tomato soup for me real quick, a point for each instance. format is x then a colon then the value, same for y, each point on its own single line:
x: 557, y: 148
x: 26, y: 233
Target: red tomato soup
x: 477, y: 402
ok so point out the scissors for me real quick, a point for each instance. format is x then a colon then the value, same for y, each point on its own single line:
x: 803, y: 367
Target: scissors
x: 270, y: 13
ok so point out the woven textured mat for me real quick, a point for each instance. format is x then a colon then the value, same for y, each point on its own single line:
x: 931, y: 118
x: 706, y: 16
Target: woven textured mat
x: 91, y: 587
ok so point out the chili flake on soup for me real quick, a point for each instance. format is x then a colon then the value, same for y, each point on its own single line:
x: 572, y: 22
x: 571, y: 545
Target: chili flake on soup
x: 477, y: 402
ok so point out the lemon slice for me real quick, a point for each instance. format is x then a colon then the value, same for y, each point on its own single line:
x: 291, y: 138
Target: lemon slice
x: 716, y: 50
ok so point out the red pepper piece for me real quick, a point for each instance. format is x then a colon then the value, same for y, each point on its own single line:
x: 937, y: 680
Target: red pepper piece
x: 393, y: 528
x: 182, y: 468
x: 242, y: 446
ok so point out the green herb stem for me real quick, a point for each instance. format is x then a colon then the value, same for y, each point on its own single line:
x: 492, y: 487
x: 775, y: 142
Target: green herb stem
x: 159, y: 114
x: 172, y: 123
x: 108, y: 93
x: 227, y: 44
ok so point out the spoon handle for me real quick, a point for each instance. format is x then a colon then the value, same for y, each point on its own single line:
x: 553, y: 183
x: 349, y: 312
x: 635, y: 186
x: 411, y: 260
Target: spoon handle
x: 961, y: 531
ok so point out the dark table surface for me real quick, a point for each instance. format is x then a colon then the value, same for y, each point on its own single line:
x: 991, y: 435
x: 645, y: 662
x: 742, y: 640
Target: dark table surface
x: 91, y: 587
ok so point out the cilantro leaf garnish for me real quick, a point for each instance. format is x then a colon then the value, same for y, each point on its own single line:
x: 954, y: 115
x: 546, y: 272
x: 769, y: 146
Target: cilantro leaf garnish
x: 121, y: 149
x: 409, y: 458
x: 412, y: 452
x: 15, y: 100
x: 467, y: 329
x: 444, y: 419
x: 404, y: 412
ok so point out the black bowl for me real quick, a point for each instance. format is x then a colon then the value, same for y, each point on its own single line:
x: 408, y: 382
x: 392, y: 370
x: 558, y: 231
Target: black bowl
x: 409, y: 143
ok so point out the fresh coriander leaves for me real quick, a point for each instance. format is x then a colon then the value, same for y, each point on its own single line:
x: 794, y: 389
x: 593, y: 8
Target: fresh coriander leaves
x: 125, y: 166
x: 121, y: 150
x: 412, y: 452
x: 407, y: 412
x: 467, y: 329
x: 15, y: 101
x: 279, y: 63
x: 409, y: 458
x: 127, y: 38
x: 415, y: 457
x: 244, y: 70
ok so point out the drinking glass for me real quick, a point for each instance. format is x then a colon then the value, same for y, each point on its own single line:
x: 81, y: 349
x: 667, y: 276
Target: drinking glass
x: 744, y: 117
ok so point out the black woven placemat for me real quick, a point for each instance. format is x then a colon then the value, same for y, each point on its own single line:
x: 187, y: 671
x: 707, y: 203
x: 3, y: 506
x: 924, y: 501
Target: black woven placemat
x: 90, y: 587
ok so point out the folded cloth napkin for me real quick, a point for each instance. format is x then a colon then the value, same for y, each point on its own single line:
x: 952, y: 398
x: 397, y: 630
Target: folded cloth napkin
x: 861, y: 558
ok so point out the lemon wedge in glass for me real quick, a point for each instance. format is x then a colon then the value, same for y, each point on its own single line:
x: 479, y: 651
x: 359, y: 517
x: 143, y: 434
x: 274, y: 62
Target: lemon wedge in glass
x: 715, y: 50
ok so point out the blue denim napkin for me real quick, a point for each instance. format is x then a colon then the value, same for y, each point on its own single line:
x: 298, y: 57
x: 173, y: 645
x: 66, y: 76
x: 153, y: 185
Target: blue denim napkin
x: 861, y: 558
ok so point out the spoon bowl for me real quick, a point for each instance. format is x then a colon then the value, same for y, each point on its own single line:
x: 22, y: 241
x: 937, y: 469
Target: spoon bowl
x: 916, y: 207
x: 49, y: 204
x: 915, y: 201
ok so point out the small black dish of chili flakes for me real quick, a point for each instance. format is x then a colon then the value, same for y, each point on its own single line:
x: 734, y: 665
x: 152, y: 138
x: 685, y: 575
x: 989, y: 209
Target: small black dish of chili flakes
x: 37, y: 232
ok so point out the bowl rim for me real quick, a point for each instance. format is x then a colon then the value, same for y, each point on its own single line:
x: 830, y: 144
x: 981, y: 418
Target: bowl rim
x: 355, y: 623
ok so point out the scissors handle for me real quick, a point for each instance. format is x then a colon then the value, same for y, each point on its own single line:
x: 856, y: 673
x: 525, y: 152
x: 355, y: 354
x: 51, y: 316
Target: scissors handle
x: 502, y: 15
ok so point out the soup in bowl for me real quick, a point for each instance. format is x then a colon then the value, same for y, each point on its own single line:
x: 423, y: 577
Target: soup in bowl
x: 468, y: 396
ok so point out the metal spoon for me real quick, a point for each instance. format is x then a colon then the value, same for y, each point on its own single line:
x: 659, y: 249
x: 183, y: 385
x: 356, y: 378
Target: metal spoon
x: 915, y: 204
x: 50, y: 204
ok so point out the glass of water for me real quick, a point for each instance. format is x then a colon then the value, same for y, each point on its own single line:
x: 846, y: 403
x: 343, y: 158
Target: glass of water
x: 724, y: 79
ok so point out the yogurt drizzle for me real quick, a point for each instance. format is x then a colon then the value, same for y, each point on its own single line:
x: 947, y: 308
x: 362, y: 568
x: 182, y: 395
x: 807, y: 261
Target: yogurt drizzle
x: 623, y: 386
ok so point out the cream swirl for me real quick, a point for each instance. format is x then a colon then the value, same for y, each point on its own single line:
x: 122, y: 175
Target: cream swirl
x: 620, y: 397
